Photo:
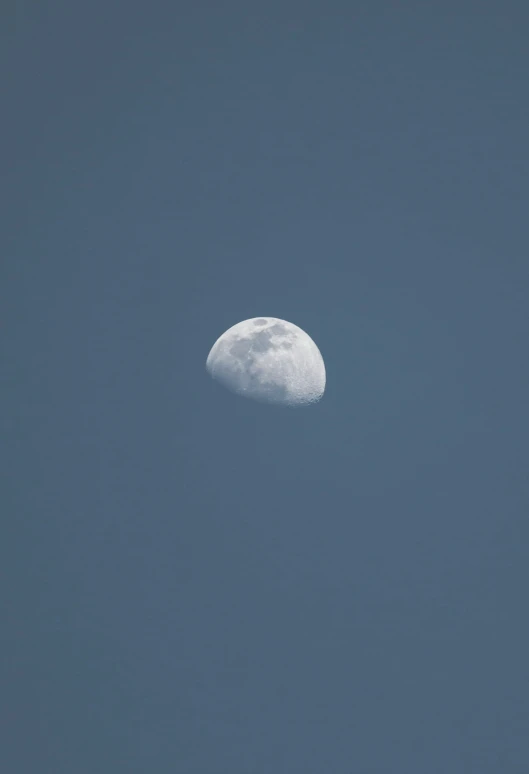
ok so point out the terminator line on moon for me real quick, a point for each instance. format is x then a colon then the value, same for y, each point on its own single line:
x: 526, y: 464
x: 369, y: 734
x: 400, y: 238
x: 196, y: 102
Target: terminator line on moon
x: 269, y: 360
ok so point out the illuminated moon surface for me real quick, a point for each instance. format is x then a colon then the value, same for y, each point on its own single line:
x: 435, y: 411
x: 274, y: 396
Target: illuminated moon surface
x: 269, y: 360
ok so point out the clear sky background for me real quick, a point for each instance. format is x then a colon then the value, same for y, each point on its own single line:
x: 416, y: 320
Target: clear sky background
x: 193, y: 583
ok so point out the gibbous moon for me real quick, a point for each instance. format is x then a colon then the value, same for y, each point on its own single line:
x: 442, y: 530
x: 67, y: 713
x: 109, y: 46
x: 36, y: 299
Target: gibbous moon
x: 269, y: 360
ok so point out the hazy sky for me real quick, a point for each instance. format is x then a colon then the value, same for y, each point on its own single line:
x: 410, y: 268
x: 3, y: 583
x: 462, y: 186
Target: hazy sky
x: 197, y: 584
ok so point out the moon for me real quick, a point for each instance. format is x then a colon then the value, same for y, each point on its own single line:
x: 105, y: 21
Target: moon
x: 269, y: 360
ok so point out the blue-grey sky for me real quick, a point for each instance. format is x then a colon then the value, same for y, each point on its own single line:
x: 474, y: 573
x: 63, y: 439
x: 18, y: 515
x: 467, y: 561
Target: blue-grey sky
x: 199, y: 584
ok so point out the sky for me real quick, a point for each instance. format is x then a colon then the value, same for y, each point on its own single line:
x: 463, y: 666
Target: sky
x: 195, y: 583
